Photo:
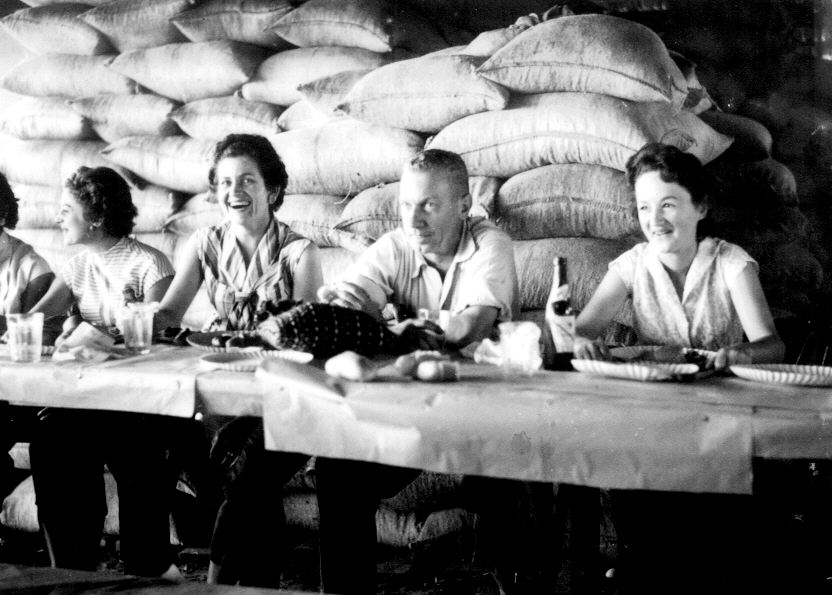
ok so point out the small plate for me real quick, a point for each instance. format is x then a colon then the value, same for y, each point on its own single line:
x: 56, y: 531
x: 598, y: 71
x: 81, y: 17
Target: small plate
x: 644, y: 371
x: 241, y: 361
x: 785, y: 374
x: 203, y: 341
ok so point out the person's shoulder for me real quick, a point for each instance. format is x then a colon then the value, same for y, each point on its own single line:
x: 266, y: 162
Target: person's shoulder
x: 141, y: 249
x: 727, y: 250
x: 485, y: 232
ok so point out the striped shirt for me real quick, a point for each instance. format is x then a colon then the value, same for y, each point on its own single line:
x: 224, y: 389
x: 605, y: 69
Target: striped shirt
x: 19, y: 266
x: 235, y: 289
x: 98, y: 281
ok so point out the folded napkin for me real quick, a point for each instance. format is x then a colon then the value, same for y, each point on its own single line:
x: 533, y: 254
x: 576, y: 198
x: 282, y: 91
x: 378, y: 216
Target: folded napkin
x: 86, y: 344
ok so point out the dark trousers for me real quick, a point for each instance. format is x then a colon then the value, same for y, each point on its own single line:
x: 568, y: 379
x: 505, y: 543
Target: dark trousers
x: 17, y: 424
x: 249, y: 539
x: 349, y: 494
x: 68, y: 455
x: 672, y: 542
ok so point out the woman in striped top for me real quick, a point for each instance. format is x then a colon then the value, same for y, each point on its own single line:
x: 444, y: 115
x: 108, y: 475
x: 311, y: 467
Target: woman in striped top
x: 71, y: 447
x: 251, y: 257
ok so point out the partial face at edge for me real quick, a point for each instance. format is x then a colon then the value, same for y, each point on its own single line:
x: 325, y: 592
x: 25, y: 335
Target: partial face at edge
x: 666, y: 213
x: 433, y: 209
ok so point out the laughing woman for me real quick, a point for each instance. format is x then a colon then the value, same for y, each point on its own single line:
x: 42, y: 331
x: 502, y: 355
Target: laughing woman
x: 250, y: 258
x: 71, y: 447
x: 686, y: 291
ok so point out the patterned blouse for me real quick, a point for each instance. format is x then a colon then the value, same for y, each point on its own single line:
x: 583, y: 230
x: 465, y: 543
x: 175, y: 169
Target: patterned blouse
x: 236, y: 290
x: 705, y: 317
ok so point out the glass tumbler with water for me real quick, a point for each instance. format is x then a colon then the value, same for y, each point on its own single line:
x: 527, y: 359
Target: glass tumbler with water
x: 25, y: 336
x: 136, y: 324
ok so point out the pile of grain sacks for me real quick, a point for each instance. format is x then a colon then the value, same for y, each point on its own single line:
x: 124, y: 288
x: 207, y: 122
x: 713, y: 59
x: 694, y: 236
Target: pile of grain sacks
x: 545, y: 114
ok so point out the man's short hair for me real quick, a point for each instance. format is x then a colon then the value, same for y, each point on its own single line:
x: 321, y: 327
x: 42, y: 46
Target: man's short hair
x: 444, y: 161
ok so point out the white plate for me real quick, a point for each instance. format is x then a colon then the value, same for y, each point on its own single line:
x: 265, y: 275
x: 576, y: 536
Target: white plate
x: 661, y: 353
x: 785, y: 374
x: 645, y: 371
x: 241, y: 361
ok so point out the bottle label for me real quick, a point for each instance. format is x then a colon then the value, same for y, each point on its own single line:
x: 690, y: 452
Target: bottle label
x: 563, y: 332
x: 561, y: 294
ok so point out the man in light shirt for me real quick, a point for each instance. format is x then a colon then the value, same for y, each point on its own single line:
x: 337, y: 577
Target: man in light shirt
x: 439, y: 259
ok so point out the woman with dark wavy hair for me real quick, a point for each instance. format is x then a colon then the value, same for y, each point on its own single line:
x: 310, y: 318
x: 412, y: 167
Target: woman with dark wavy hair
x: 248, y: 259
x: 71, y: 447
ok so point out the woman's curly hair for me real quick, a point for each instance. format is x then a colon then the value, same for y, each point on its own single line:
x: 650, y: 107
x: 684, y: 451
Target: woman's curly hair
x: 260, y: 150
x: 105, y: 197
x: 8, y: 205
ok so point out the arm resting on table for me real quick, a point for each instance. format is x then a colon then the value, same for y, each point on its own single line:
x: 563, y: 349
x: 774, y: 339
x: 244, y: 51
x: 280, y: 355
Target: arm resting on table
x: 597, y: 316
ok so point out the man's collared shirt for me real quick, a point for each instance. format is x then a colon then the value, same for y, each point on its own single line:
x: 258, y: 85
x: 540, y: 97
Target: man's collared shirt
x: 482, y: 273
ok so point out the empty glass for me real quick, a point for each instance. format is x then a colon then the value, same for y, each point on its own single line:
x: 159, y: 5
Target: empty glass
x: 136, y: 323
x: 25, y: 336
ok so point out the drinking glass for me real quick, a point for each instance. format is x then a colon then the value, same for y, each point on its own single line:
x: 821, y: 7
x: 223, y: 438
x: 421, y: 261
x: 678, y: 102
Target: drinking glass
x: 519, y: 347
x: 136, y: 324
x: 25, y: 336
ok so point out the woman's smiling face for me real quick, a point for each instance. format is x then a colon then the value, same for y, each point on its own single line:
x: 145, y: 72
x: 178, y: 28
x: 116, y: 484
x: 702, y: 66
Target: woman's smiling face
x: 71, y: 220
x: 241, y: 192
x: 666, y: 213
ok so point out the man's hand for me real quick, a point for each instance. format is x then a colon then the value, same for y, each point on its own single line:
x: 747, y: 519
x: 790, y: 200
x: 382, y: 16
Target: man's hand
x: 422, y: 334
x: 349, y: 295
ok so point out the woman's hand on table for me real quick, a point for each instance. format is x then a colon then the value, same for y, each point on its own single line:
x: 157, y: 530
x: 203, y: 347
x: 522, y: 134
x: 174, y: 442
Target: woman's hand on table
x: 583, y: 348
x: 735, y: 354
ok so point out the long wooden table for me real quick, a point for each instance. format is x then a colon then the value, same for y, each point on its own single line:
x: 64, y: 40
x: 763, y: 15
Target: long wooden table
x: 552, y: 426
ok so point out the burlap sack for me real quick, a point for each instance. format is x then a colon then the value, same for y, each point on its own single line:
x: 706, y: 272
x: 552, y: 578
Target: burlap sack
x: 278, y: 77
x: 344, y: 158
x: 248, y: 21
x: 587, y: 260
x: 190, y: 71
x: 313, y: 216
x: 327, y: 93
x: 66, y: 75
x: 752, y: 140
x: 375, y: 211
x: 37, y: 205
x: 335, y: 261
x: 50, y: 162
x: 698, y: 99
x: 548, y: 128
x: 118, y: 116
x: 218, y: 117
x: 56, y: 29
x: 487, y: 43
x: 375, y: 25
x: 423, y: 94
x: 198, y: 212
x: 137, y: 24
x: 45, y: 118
x: 301, y: 114
x: 589, y: 53
x: 567, y: 200
x: 176, y: 162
